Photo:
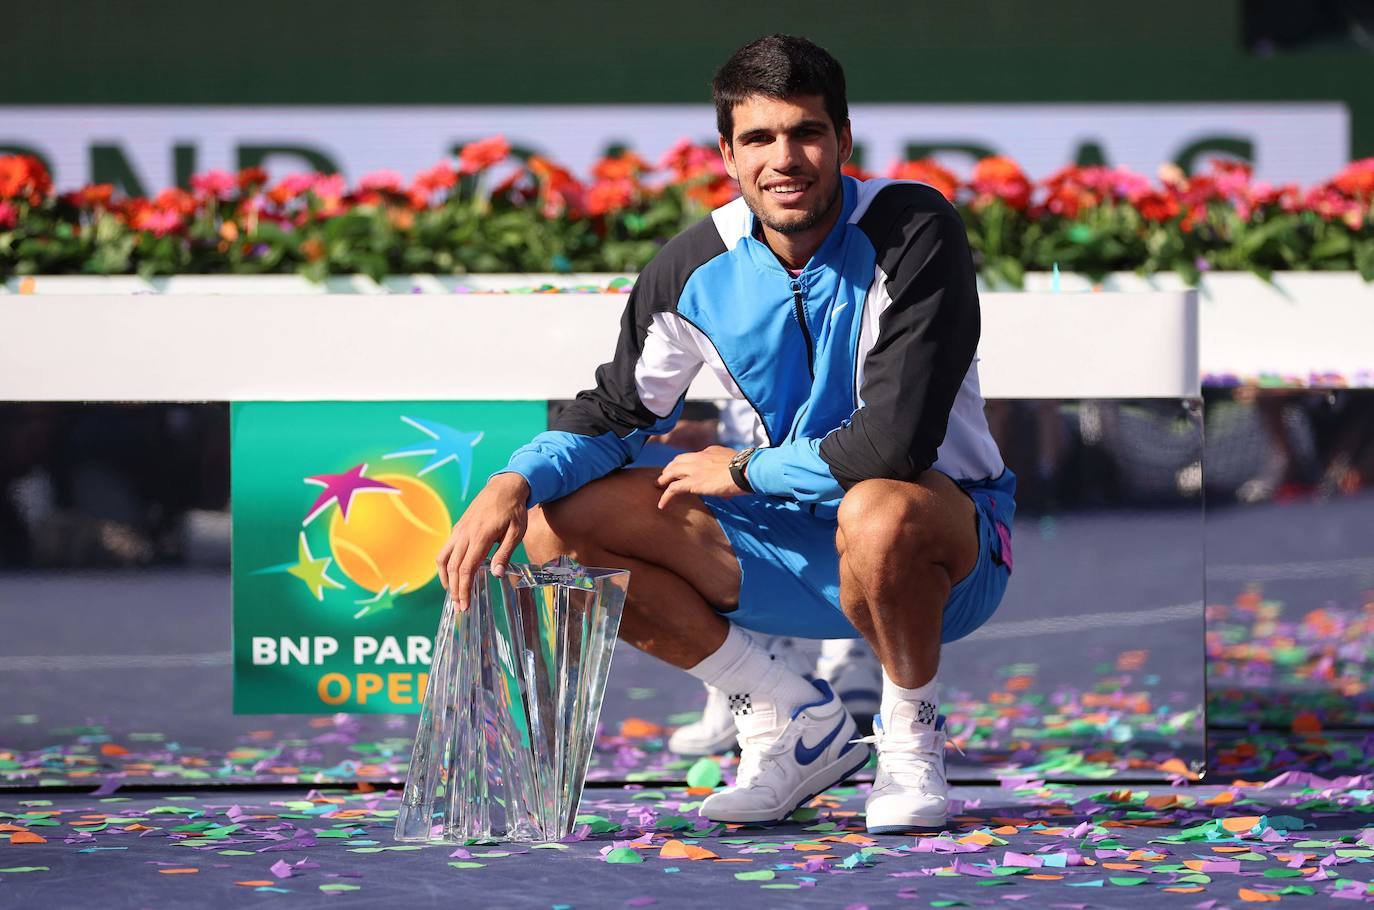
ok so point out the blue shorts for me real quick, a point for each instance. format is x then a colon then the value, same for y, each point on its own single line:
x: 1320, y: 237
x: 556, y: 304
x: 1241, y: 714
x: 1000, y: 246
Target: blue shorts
x: 790, y: 572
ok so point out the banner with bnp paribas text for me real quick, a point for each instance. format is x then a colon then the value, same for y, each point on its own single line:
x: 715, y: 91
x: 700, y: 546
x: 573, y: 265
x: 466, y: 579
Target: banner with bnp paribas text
x: 339, y: 510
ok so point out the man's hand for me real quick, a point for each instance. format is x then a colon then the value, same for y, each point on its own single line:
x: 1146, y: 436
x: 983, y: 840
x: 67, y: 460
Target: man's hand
x: 497, y: 515
x: 705, y: 473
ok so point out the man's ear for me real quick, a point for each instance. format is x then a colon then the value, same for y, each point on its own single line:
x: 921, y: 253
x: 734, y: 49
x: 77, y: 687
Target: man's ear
x: 727, y: 154
x: 846, y: 143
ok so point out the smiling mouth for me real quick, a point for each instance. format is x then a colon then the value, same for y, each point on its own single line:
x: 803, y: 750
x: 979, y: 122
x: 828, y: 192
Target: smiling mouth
x: 786, y: 192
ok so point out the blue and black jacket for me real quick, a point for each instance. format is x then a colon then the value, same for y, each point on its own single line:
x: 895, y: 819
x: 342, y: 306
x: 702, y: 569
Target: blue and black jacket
x: 863, y: 366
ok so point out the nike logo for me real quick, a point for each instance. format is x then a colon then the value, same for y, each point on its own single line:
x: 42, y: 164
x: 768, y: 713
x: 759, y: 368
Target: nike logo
x: 835, y: 312
x: 805, y: 754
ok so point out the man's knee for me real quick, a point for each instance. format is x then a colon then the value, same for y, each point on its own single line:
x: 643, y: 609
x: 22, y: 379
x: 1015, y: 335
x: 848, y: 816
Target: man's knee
x: 583, y: 520
x: 886, y: 519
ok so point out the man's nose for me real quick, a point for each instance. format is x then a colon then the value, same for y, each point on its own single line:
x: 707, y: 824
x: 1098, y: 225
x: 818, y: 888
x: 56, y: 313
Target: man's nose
x: 786, y: 153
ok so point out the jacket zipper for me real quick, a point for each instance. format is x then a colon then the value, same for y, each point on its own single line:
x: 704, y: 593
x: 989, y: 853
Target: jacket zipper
x: 806, y: 332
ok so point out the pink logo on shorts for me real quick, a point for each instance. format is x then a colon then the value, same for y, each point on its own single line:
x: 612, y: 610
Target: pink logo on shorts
x: 1005, y: 536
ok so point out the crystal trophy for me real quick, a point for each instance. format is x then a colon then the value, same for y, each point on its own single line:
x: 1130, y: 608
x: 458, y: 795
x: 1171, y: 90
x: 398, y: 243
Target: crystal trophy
x: 511, y: 708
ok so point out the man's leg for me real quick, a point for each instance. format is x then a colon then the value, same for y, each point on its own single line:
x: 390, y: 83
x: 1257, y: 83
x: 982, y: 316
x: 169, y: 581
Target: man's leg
x: 794, y: 737
x: 902, y: 548
x: 681, y: 565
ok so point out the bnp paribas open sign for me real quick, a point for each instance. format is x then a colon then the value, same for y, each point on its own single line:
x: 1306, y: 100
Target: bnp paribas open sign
x: 339, y: 511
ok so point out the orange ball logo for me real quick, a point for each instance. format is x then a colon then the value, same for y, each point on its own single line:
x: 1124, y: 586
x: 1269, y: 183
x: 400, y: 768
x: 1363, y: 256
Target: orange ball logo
x: 390, y: 540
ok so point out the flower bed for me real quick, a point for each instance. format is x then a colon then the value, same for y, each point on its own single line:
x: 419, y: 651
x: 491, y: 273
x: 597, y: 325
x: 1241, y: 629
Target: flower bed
x: 491, y: 212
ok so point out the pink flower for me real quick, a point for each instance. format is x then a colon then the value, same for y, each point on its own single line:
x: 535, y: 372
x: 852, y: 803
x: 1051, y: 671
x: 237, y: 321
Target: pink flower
x: 9, y: 215
x: 217, y: 184
x: 160, y: 221
x: 382, y: 181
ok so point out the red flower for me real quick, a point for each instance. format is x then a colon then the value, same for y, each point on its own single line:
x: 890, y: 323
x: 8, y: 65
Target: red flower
x: 23, y: 176
x: 999, y: 177
x: 482, y: 154
x: 9, y: 215
x: 290, y: 186
x: 251, y: 177
x: 925, y: 170
x: 688, y: 161
x: 850, y: 169
x: 1157, y: 207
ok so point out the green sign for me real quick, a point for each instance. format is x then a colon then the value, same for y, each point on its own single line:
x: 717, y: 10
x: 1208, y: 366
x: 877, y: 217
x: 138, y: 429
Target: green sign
x: 340, y: 509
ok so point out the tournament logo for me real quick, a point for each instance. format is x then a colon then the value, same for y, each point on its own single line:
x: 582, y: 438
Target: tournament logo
x: 375, y: 531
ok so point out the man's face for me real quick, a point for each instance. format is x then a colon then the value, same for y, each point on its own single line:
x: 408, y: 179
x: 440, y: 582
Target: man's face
x: 787, y: 157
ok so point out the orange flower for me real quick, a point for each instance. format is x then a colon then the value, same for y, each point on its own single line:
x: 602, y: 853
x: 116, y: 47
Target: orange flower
x: 1357, y: 180
x: 625, y: 166
x: 440, y: 177
x: 712, y: 194
x: 176, y: 200
x: 24, y: 176
x: 95, y: 195
x: 482, y: 154
x: 609, y: 195
x: 999, y: 177
x: 926, y: 171
x: 559, y: 189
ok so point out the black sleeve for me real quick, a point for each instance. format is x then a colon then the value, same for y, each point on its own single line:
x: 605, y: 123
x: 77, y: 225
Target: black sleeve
x: 926, y: 342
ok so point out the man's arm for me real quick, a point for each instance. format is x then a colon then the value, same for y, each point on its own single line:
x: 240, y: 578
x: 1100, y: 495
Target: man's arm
x: 638, y: 393
x: 925, y: 345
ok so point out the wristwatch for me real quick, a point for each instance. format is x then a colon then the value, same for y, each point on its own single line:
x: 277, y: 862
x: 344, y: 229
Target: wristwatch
x: 737, y: 468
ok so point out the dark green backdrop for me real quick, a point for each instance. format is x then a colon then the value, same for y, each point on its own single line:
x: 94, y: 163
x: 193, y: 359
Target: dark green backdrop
x: 524, y: 51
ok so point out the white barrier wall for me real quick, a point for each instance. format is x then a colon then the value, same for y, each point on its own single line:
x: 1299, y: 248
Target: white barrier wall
x: 207, y: 347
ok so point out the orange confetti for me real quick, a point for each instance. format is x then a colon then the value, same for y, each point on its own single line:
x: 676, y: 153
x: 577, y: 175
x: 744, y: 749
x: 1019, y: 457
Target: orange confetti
x: 809, y: 847
x: 177, y: 871
x: 1257, y: 897
x: 27, y: 837
x: 1043, y: 877
x: 858, y: 839
x: 981, y: 838
x: 1162, y: 801
x: 1176, y: 766
x: 13, y: 828
x: 676, y: 849
x: 1224, y: 798
x: 1181, y: 889
x: 263, y: 883
x: 1240, y: 824
x: 638, y: 727
x: 27, y: 285
x: 1129, y: 867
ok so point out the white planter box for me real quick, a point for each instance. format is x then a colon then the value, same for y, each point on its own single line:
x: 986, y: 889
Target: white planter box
x: 199, y: 337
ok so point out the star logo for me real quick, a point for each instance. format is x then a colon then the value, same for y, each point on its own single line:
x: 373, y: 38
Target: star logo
x: 312, y: 571
x: 340, y: 488
x: 445, y: 444
x: 384, y: 600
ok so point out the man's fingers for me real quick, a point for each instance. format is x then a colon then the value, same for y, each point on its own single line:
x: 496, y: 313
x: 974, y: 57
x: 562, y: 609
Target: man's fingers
x: 441, y: 563
x: 670, y: 491
x: 503, y: 552
x: 455, y: 560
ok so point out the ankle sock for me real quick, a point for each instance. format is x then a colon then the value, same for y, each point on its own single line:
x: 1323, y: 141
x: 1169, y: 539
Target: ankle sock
x: 762, y: 690
x: 925, y: 700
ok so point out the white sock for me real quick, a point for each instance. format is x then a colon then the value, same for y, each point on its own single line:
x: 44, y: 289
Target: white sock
x: 763, y: 692
x: 925, y: 700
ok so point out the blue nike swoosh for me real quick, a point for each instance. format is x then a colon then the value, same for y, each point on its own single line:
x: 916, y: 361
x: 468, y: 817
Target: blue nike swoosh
x: 806, y: 755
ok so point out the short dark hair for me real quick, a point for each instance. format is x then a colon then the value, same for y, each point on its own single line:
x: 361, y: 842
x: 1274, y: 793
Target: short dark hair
x: 778, y: 66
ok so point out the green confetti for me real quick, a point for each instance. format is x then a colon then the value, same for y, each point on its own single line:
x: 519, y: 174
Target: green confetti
x: 705, y: 773
x: 760, y: 875
x: 340, y: 886
x: 25, y: 869
x: 624, y: 855
x: 464, y: 864
x: 1128, y: 880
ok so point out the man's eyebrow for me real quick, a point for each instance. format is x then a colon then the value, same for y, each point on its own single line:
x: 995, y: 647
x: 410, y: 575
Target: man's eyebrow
x: 809, y: 124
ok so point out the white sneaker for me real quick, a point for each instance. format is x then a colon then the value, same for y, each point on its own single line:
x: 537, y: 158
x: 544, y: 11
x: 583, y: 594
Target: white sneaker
x: 780, y: 770
x: 855, y: 674
x: 909, y: 790
x: 712, y: 734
